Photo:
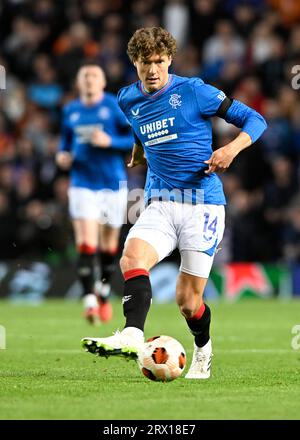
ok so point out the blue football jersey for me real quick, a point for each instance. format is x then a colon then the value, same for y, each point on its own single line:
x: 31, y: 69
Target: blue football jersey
x: 94, y: 167
x: 173, y: 125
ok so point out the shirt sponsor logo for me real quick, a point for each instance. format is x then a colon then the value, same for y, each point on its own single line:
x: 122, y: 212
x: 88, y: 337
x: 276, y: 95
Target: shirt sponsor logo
x: 162, y: 139
x: 84, y: 132
x: 152, y: 127
x: 158, y: 130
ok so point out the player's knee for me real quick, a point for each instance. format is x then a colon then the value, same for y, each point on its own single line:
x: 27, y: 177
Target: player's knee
x: 110, y: 247
x: 187, y: 310
x: 129, y: 262
x: 109, y: 250
x: 188, y: 303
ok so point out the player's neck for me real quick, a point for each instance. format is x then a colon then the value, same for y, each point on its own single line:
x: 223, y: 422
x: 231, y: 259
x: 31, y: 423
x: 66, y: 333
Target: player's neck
x: 90, y: 100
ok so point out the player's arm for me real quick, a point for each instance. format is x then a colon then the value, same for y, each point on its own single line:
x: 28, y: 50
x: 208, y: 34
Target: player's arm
x: 101, y: 139
x: 120, y: 141
x: 137, y: 155
x: 252, y: 126
x: 221, y: 159
x: 64, y: 157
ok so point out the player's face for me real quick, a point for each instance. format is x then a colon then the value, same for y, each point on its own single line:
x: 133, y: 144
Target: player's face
x: 153, y: 71
x: 90, y: 80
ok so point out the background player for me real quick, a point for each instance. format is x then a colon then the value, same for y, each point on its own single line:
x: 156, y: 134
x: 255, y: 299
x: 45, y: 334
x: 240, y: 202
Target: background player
x: 94, y: 135
x: 170, y: 118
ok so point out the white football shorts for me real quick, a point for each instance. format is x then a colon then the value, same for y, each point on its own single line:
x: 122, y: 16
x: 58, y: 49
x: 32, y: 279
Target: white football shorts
x: 106, y: 206
x: 196, y: 230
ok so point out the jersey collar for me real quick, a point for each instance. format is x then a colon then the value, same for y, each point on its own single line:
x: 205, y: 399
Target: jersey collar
x: 158, y: 92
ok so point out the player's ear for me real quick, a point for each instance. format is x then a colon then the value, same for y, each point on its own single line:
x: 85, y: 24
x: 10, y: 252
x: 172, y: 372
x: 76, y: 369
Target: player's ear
x: 170, y: 61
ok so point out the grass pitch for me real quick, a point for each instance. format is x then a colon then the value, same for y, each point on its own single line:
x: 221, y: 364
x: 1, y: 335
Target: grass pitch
x: 44, y: 374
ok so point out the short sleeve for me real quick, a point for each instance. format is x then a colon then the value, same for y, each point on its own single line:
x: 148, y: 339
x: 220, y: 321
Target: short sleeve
x: 209, y: 98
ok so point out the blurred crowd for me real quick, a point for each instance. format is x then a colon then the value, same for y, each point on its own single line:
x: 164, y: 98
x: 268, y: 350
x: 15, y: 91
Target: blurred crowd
x: 246, y: 48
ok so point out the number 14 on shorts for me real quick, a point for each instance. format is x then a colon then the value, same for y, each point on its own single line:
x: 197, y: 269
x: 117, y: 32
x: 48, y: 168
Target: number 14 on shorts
x: 210, y: 226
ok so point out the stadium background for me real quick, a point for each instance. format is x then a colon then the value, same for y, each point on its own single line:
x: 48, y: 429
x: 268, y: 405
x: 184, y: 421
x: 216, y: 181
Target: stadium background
x: 246, y: 48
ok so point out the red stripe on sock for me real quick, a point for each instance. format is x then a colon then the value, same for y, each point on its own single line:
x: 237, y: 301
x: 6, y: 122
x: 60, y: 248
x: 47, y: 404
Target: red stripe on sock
x: 198, y: 314
x: 86, y: 249
x: 134, y: 273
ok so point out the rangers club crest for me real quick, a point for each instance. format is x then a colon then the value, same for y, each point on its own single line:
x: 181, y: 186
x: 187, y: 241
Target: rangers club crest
x: 175, y: 101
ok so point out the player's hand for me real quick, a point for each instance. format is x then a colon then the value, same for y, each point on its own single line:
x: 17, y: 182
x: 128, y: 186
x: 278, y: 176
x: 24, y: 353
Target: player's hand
x: 220, y: 160
x: 137, y: 156
x: 64, y: 159
x: 101, y: 139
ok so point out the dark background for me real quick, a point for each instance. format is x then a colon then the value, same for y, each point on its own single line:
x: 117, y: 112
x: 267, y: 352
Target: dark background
x: 246, y: 48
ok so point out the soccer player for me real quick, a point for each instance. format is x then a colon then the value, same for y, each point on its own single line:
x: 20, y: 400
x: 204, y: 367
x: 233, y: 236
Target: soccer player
x: 95, y: 134
x: 184, y: 196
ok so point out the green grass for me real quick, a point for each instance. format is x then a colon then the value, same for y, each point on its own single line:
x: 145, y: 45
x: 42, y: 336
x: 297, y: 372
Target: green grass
x: 44, y: 374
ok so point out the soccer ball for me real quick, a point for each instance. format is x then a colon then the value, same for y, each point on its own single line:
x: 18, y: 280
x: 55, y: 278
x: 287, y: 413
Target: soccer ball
x: 163, y: 359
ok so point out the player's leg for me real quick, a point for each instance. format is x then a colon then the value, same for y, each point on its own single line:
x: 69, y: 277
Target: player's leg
x: 199, y: 236
x: 107, y: 254
x: 86, y: 237
x: 84, y: 214
x: 149, y: 241
x: 138, y: 258
x: 189, y: 297
x: 112, y: 214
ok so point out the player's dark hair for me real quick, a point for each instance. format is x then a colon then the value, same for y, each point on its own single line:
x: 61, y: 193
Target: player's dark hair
x: 150, y: 40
